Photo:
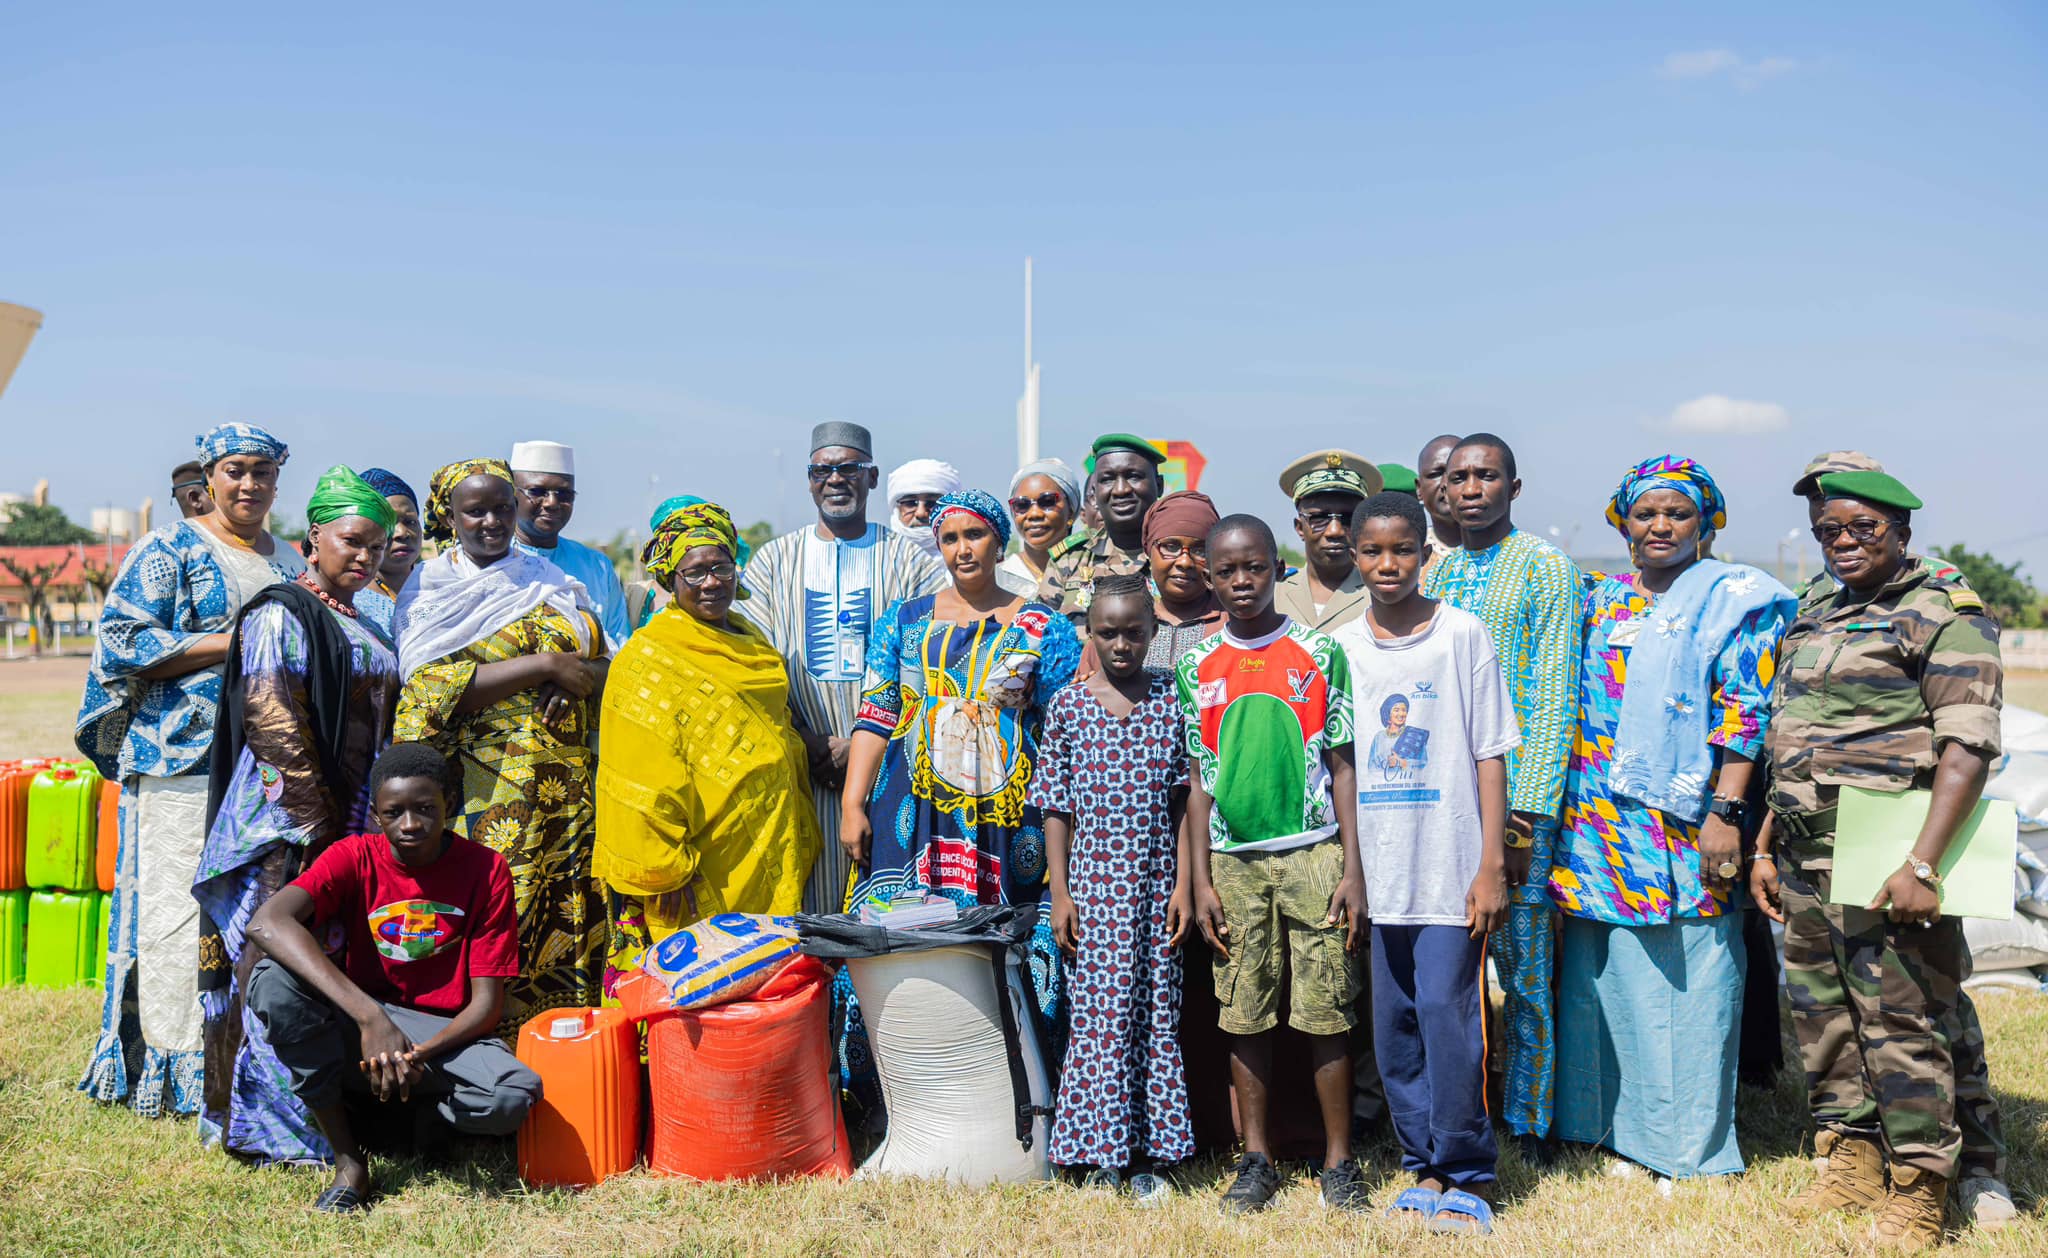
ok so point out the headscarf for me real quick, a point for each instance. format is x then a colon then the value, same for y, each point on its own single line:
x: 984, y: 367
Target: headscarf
x: 390, y: 484
x: 672, y: 505
x: 974, y: 502
x: 1182, y: 513
x: 222, y: 440
x: 1056, y: 471
x: 341, y: 493
x: 1670, y: 471
x: 682, y: 530
x: 439, y: 525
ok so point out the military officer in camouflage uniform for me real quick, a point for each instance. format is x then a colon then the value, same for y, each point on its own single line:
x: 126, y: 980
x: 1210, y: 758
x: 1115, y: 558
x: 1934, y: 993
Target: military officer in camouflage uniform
x: 1890, y: 680
x: 1985, y: 1198
x: 1124, y: 484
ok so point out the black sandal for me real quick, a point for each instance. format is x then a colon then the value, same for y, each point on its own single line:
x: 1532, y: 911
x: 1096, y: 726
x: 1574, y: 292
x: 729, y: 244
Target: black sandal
x: 341, y: 1199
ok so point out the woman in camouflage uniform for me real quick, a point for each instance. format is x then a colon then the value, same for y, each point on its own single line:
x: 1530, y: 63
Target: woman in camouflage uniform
x: 1891, y: 682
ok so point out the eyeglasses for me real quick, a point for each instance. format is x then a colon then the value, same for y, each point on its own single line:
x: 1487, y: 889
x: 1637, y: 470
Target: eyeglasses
x: 822, y: 472
x: 1320, y: 521
x: 564, y: 496
x: 1174, y: 548
x: 1862, y: 532
x: 695, y: 577
x: 1050, y: 500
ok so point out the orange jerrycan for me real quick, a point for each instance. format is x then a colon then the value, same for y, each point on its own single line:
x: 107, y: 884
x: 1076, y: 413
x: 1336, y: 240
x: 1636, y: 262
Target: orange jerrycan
x: 63, y: 806
x: 107, y: 835
x: 586, y: 1126
x: 15, y: 776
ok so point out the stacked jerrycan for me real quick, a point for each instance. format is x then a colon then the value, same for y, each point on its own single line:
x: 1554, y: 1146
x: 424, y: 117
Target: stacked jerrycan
x: 15, y: 778
x: 64, y: 921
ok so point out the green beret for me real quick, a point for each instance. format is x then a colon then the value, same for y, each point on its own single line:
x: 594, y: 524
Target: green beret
x: 1398, y: 479
x: 1877, y: 488
x: 1125, y: 443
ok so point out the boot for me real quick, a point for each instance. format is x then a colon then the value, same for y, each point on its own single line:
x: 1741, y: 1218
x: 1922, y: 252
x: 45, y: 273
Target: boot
x: 1852, y: 1181
x: 1912, y: 1216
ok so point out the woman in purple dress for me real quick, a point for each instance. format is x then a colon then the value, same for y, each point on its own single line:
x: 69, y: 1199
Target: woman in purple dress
x: 1111, y: 782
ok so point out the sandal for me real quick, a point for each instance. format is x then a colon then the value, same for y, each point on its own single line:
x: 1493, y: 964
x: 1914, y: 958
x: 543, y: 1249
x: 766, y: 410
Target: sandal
x: 1414, y: 1205
x: 341, y: 1199
x: 1461, y: 1213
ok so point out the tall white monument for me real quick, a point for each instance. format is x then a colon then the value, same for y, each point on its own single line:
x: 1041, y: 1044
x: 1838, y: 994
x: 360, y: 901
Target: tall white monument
x: 18, y: 326
x: 1027, y: 406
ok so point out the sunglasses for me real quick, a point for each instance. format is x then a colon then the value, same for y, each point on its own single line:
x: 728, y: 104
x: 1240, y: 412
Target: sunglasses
x: 822, y: 472
x: 565, y: 496
x: 1862, y: 532
x: 1050, y: 500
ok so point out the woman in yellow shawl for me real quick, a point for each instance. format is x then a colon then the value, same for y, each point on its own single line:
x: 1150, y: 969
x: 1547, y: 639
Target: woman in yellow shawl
x: 703, y: 798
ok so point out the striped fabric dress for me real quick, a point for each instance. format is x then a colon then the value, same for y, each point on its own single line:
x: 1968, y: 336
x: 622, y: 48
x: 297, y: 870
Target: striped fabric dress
x: 817, y: 597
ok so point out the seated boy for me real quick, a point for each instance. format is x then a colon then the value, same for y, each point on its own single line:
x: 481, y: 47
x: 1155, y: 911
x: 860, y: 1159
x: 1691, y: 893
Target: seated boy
x: 1432, y: 814
x: 431, y: 938
x: 1277, y: 888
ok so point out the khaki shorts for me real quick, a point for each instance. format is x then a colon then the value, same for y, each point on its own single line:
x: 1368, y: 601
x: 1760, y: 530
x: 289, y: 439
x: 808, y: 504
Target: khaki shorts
x: 1275, y: 904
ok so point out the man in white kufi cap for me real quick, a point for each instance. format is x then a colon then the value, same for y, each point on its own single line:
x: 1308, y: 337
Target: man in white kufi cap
x: 544, y: 473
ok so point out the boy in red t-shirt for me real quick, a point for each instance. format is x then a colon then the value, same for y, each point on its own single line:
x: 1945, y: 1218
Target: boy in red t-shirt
x: 431, y: 938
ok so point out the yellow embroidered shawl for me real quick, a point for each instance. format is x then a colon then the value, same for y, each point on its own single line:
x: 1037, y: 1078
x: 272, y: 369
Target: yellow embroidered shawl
x: 702, y: 777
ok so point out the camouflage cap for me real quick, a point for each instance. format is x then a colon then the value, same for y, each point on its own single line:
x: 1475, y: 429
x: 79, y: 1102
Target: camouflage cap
x: 1876, y: 488
x: 1832, y: 461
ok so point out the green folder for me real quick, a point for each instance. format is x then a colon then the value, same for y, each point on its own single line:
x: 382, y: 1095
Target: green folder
x: 1874, y: 831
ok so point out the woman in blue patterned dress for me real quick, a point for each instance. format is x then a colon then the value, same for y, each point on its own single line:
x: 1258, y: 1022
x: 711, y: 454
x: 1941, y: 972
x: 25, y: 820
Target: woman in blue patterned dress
x: 945, y: 743
x: 1674, y: 693
x: 146, y: 720
x: 306, y: 707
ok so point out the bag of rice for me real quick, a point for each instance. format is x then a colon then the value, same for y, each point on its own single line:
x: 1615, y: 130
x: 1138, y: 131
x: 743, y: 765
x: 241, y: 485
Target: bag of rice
x: 721, y: 958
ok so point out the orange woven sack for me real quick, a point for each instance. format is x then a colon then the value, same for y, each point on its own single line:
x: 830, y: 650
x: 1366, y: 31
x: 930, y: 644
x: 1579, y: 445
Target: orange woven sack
x: 744, y: 1090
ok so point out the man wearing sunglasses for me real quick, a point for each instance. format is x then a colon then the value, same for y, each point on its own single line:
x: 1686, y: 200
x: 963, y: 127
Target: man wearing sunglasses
x: 1124, y: 485
x: 1326, y: 486
x: 817, y: 593
x: 544, y: 476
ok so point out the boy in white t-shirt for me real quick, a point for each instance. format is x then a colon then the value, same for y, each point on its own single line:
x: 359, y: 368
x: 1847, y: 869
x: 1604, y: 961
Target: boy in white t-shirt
x: 1434, y: 721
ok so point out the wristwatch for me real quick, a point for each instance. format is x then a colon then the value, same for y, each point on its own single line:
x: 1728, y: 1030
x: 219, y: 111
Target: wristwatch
x: 1734, y: 811
x: 1516, y: 839
x: 1923, y: 871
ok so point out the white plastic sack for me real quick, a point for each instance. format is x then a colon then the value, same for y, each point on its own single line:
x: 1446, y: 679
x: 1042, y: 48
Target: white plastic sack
x: 2021, y: 775
x: 2017, y: 943
x: 937, y: 1038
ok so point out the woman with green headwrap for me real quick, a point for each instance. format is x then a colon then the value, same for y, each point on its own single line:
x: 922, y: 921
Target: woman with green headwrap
x: 306, y: 705
x: 703, y: 794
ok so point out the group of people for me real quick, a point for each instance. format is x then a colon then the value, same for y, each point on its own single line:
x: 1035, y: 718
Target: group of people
x: 377, y: 810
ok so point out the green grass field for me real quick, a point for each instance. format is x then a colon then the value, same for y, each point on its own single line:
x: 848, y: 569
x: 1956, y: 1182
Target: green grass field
x: 78, y: 1178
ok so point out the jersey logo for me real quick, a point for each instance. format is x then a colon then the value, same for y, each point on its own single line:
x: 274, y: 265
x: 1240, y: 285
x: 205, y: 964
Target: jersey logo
x: 413, y: 930
x: 1299, y: 680
x: 1211, y: 694
x: 1251, y: 664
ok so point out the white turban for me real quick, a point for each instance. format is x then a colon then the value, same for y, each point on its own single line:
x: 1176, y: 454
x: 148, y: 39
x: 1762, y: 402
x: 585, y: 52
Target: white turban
x: 924, y: 476
x: 544, y: 456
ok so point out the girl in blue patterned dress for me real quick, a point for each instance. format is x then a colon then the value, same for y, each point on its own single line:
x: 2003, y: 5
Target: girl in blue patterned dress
x: 1112, y: 783
x: 944, y: 746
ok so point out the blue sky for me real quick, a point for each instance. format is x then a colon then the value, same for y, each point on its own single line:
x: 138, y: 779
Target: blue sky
x: 679, y: 237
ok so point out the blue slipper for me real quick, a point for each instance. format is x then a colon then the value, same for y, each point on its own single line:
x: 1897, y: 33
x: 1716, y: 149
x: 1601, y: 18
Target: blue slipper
x: 1460, y: 1213
x: 1414, y: 1205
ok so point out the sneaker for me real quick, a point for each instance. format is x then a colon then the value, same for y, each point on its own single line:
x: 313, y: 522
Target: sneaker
x: 1103, y: 1178
x: 1987, y: 1203
x: 1148, y: 1190
x: 1344, y: 1188
x: 1255, y: 1186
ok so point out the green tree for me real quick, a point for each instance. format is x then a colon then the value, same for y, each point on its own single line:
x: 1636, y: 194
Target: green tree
x: 2010, y: 596
x: 758, y: 534
x: 31, y: 525
x: 624, y: 551
x: 286, y: 528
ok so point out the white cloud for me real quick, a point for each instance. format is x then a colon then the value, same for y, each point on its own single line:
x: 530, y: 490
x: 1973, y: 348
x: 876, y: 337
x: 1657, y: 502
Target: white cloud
x: 1717, y: 413
x: 1708, y: 63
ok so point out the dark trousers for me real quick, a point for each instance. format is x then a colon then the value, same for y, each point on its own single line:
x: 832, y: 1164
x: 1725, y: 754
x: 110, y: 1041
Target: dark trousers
x: 1429, y: 1032
x: 479, y: 1089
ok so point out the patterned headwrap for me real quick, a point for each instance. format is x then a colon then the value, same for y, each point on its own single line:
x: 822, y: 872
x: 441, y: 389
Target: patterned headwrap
x: 1669, y: 471
x: 390, y: 484
x: 670, y: 506
x: 977, y: 503
x: 341, y: 493
x: 439, y: 525
x: 683, y: 530
x: 222, y: 440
